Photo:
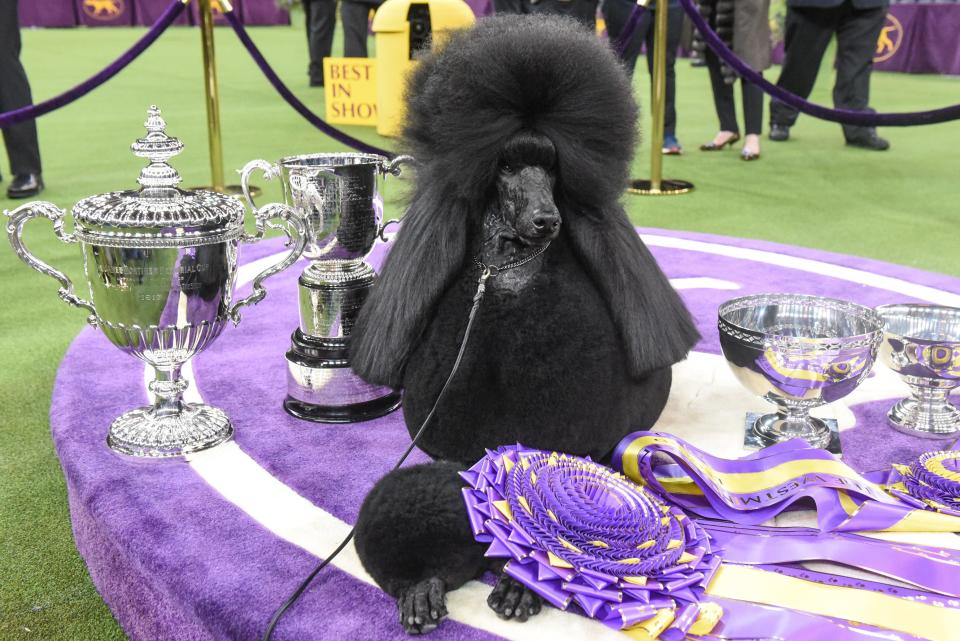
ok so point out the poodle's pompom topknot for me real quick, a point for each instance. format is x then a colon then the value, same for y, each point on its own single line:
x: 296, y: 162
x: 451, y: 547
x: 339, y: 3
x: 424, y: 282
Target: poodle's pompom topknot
x: 512, y: 73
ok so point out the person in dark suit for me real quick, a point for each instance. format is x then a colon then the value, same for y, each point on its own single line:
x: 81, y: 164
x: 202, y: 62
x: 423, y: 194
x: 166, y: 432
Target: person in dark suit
x: 321, y: 18
x: 355, y: 20
x: 583, y: 10
x: 616, y: 13
x: 810, y: 24
x: 20, y: 139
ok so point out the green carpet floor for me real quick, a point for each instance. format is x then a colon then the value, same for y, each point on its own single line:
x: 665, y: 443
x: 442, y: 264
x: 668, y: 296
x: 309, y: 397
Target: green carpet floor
x: 900, y: 206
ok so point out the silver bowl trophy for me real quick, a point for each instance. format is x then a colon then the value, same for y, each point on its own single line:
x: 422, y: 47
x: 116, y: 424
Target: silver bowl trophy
x: 161, y: 264
x: 798, y: 352
x: 339, y: 197
x: 921, y: 343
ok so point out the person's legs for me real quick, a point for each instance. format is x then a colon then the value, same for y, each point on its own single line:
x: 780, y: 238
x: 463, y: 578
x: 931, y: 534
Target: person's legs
x: 722, y: 99
x: 857, y: 35
x: 752, y: 107
x: 616, y: 14
x: 23, y: 150
x: 354, y: 18
x: 321, y: 17
x: 806, y: 35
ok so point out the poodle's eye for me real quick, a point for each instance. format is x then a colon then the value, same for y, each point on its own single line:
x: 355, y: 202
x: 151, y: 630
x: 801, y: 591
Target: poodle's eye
x: 505, y: 168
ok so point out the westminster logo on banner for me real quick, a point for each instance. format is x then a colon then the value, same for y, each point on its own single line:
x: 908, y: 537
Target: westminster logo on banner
x: 103, y: 9
x: 891, y: 36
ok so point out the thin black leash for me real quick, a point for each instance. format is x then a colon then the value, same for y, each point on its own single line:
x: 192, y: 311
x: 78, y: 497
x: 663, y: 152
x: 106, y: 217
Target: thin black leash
x: 486, y: 271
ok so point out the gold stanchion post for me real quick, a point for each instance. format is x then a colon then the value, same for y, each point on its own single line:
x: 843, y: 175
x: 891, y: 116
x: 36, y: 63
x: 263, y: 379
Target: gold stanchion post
x: 657, y: 186
x: 212, y: 91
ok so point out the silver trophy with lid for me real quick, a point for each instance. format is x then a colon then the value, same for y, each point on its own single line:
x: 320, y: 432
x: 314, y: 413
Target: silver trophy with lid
x: 160, y: 264
x: 339, y: 196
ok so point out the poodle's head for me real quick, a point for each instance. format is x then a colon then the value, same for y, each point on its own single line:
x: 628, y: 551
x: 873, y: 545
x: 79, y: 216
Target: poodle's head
x: 524, y: 212
x: 531, y: 91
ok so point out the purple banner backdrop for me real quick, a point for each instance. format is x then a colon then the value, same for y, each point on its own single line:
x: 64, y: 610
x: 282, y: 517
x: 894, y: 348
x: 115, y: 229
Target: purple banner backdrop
x: 917, y: 38
x: 263, y: 12
x: 105, y: 13
x: 206, y: 549
x: 146, y: 12
x: 47, y: 13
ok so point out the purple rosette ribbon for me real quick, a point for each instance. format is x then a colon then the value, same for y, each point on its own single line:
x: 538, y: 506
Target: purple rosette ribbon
x: 587, y: 538
x: 932, y: 481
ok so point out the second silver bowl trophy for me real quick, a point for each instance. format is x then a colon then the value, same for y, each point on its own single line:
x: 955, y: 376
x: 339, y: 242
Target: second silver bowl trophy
x: 340, y: 198
x: 798, y: 352
x: 922, y: 344
x: 160, y: 264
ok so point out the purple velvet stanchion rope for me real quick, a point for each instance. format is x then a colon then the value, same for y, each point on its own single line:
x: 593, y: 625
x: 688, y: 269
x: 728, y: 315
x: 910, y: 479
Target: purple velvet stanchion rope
x: 34, y: 111
x: 629, y: 29
x: 292, y: 100
x: 843, y: 116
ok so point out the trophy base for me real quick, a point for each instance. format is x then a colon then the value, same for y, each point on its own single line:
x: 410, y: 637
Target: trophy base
x: 925, y: 420
x: 355, y: 413
x: 322, y: 388
x: 144, y: 433
x: 763, y: 430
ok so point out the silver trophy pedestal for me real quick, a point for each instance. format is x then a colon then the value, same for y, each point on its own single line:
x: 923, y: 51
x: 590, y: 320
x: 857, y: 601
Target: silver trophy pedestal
x: 763, y: 430
x: 144, y: 432
x: 321, y: 386
x: 927, y: 412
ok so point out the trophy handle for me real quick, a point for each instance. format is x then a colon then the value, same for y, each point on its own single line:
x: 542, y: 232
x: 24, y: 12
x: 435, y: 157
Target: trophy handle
x: 293, y: 227
x: 269, y: 173
x: 17, y: 219
x: 393, y: 168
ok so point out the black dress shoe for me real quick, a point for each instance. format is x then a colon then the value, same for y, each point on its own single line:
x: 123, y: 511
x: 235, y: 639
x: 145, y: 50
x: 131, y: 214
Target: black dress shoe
x: 779, y: 133
x: 870, y: 141
x: 25, y: 186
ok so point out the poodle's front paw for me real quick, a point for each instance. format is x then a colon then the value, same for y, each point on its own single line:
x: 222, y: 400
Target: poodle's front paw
x: 422, y: 606
x: 513, y: 600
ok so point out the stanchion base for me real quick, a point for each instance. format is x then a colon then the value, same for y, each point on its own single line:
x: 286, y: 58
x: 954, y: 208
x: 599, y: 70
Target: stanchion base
x: 667, y: 188
x: 232, y: 190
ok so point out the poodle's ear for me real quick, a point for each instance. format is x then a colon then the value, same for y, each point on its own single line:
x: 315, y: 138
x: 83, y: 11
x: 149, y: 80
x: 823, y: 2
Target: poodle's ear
x: 427, y: 254
x: 654, y: 324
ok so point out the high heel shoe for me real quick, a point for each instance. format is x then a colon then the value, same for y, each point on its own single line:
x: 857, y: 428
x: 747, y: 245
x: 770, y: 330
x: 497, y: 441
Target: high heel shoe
x: 749, y: 155
x: 712, y: 146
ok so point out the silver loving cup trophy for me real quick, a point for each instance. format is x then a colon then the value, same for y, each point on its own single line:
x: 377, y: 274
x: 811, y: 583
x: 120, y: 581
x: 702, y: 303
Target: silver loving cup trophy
x: 161, y: 263
x: 921, y: 343
x: 798, y: 352
x: 339, y: 196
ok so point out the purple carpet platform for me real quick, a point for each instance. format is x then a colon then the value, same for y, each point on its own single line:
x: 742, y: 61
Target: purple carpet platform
x: 206, y: 549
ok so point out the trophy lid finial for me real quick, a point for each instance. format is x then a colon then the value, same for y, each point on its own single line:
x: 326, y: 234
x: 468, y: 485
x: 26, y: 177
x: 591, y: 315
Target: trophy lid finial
x: 158, y: 148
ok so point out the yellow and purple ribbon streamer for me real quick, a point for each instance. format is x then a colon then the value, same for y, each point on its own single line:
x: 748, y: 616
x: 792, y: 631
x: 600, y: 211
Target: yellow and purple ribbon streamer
x: 588, y: 539
x: 756, y: 488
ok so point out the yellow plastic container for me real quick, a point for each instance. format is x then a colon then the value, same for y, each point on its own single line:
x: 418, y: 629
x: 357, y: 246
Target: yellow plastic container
x: 404, y: 30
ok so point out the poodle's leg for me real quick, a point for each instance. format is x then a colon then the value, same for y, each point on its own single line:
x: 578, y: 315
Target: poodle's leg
x: 512, y: 600
x: 414, y: 538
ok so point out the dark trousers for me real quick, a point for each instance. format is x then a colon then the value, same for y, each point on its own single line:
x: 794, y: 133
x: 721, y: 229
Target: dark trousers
x: 807, y: 33
x: 616, y: 13
x: 20, y: 139
x: 723, y: 100
x: 354, y: 18
x: 321, y: 16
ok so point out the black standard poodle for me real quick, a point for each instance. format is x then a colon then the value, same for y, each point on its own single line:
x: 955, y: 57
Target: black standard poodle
x: 524, y: 128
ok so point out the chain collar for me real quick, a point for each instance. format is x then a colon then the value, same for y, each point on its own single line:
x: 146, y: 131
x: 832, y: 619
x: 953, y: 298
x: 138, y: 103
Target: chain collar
x: 494, y: 270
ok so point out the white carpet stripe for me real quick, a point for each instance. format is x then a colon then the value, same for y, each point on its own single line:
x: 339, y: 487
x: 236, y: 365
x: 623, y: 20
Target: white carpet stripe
x: 277, y: 507
x: 849, y: 274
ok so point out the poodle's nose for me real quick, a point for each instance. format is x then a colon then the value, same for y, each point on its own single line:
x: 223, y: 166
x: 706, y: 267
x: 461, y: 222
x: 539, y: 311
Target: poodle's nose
x: 546, y: 222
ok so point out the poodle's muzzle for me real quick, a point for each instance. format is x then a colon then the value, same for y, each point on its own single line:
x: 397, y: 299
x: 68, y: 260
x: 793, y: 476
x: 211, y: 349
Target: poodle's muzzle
x: 526, y: 199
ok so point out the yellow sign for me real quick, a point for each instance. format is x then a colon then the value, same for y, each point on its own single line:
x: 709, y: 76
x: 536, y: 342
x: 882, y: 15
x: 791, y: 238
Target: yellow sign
x: 350, y: 89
